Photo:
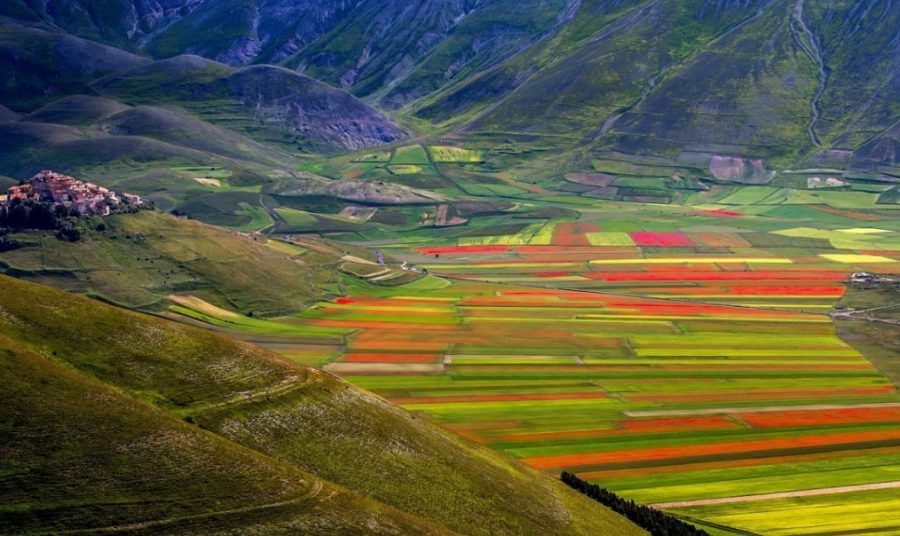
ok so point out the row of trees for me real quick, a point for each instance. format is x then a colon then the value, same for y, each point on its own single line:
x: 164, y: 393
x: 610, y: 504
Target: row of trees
x: 67, y: 222
x: 658, y: 523
x: 46, y: 216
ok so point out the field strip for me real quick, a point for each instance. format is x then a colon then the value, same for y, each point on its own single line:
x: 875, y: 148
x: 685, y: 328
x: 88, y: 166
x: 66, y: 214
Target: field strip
x: 696, y: 260
x: 342, y: 367
x: 386, y: 276
x: 780, y: 495
x: 764, y: 409
x: 618, y: 293
x: 354, y: 258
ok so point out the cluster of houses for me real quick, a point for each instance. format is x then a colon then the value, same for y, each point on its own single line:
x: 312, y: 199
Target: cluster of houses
x: 83, y: 197
x: 864, y: 277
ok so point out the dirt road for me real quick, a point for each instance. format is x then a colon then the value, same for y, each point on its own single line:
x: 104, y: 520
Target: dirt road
x: 781, y: 495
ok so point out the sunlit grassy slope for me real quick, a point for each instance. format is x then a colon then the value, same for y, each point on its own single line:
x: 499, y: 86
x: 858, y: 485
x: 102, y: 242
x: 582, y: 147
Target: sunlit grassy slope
x: 255, y: 410
x: 79, y: 455
x: 142, y: 258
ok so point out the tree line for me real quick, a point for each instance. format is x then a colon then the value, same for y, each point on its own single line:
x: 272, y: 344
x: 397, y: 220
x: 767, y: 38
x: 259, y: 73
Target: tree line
x: 658, y: 523
x: 68, y: 223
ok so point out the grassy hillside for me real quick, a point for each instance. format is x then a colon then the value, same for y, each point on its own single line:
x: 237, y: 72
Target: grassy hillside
x: 633, y: 76
x: 142, y: 258
x: 683, y: 80
x: 855, y: 37
x: 79, y: 455
x: 869, y: 319
x: 43, y: 66
x: 305, y: 418
x: 809, y: 82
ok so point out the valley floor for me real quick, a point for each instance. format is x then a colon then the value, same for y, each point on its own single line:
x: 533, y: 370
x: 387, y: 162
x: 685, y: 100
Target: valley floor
x: 709, y: 380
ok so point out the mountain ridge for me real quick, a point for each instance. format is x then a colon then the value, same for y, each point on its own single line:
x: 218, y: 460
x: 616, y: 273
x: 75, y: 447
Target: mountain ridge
x: 791, y: 81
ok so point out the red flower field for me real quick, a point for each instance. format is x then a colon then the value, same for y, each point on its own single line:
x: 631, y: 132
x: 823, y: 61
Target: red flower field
x: 665, y: 239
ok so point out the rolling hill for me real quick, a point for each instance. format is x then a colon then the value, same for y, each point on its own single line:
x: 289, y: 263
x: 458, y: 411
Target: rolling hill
x: 80, y: 455
x: 272, y: 103
x: 206, y: 412
x: 138, y: 260
x: 288, y: 108
x: 789, y: 81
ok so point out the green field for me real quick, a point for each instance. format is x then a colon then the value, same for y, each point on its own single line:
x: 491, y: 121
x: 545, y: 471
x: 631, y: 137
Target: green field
x: 399, y: 265
x: 145, y: 405
x: 679, y: 354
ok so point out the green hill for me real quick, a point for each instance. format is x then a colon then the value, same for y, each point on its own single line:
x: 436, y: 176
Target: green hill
x: 78, y: 455
x: 43, y: 66
x: 140, y: 259
x: 275, y: 105
x: 269, y: 103
x: 262, y: 420
x: 795, y: 82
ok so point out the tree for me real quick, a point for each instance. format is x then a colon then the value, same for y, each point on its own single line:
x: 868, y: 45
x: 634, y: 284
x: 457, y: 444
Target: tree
x: 658, y: 523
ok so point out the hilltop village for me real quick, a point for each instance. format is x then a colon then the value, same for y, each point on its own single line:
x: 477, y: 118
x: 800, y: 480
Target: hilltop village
x: 62, y: 190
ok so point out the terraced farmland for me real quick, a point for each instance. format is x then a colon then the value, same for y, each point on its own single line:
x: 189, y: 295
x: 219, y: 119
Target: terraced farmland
x: 684, y: 253
x: 680, y: 356
x: 662, y: 401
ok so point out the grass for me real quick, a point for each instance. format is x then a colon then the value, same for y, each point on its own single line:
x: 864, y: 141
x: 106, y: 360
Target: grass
x: 577, y: 383
x: 405, y: 169
x: 447, y: 154
x: 609, y: 239
x: 850, y: 258
x: 99, y: 459
x: 295, y: 218
x: 411, y: 155
x: 877, y: 339
x: 142, y: 258
x: 258, y: 410
x: 845, y: 512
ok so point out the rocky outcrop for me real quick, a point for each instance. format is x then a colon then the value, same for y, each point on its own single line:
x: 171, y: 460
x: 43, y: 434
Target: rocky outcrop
x: 744, y: 171
x: 8, y: 115
x: 309, y: 108
x: 360, y: 191
x: 270, y: 97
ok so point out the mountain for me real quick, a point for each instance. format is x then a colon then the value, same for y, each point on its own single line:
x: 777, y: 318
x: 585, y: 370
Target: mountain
x: 809, y: 82
x: 270, y: 103
x: 232, y: 31
x: 280, y: 106
x: 405, y: 50
x: 202, y: 434
x: 683, y: 80
x: 363, y: 45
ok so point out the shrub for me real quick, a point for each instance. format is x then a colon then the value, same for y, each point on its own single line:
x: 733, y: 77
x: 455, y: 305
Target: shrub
x: 658, y: 523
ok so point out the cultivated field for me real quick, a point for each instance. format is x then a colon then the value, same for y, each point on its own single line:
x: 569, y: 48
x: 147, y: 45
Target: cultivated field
x: 682, y: 356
